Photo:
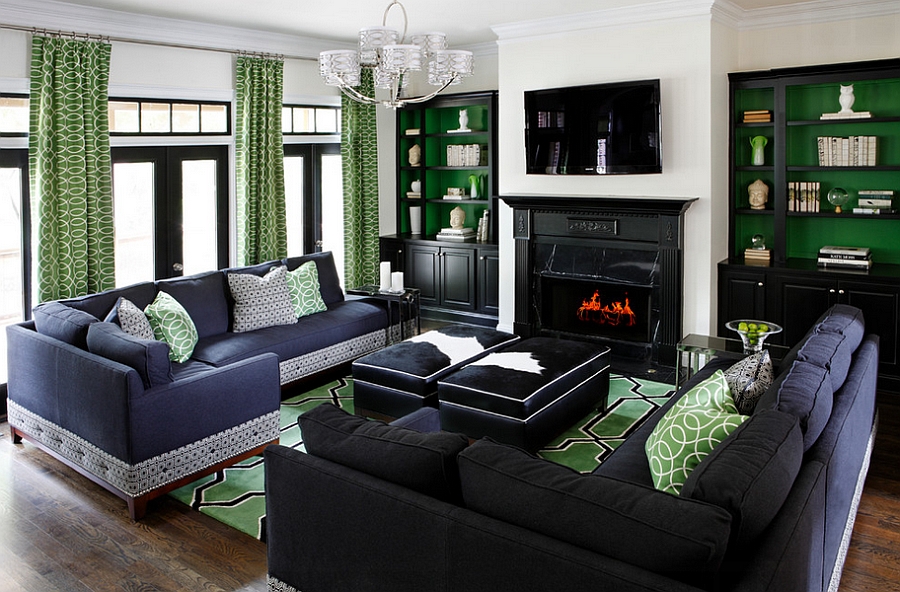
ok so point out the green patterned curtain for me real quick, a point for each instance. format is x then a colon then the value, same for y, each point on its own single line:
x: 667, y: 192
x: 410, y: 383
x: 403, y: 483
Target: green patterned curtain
x: 70, y: 167
x: 261, y: 224
x: 359, y: 156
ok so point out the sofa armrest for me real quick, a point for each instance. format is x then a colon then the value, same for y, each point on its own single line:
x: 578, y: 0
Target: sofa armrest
x: 172, y: 415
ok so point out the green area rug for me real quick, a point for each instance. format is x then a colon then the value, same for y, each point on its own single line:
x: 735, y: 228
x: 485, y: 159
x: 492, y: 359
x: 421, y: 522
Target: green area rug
x: 237, y: 498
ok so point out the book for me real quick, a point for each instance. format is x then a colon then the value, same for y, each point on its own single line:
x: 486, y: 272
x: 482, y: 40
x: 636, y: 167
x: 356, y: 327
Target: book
x: 844, y: 263
x: 413, y: 131
x: 873, y: 202
x: 413, y: 195
x: 859, y: 252
x: 455, y: 237
x: 459, y: 231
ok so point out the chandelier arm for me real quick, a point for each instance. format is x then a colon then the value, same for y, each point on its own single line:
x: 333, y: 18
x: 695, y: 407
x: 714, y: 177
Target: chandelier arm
x: 430, y: 95
x: 357, y: 96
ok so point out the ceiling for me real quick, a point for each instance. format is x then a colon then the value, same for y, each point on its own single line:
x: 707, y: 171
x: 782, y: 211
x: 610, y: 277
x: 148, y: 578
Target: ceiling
x: 466, y: 22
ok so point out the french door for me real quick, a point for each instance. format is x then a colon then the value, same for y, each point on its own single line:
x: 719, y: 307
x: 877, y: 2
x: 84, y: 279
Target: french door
x: 314, y: 199
x: 15, y: 272
x: 171, y: 211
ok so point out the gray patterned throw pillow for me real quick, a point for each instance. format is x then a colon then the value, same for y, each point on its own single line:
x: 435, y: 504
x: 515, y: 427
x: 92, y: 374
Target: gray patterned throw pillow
x: 261, y: 301
x: 133, y: 320
x: 749, y: 379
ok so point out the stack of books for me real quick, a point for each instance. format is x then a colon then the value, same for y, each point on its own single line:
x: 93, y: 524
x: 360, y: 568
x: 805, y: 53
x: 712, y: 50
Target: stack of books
x: 845, y: 257
x: 413, y: 195
x: 875, y: 201
x: 456, y: 234
x: 757, y: 256
x: 758, y: 116
x: 850, y: 151
x: 804, y: 196
x: 466, y: 155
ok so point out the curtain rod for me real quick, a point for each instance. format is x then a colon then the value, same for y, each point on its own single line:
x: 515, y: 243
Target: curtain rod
x: 107, y: 38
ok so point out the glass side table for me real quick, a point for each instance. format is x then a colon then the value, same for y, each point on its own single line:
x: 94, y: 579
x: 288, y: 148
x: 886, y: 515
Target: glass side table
x: 407, y: 302
x: 699, y: 349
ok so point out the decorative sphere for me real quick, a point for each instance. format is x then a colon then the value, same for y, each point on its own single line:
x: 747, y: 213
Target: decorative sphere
x: 758, y: 241
x: 838, y: 197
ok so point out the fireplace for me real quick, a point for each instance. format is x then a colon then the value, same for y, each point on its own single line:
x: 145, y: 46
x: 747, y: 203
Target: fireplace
x: 601, y: 269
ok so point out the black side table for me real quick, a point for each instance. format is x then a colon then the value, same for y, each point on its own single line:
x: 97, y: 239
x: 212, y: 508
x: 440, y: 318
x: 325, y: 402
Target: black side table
x: 407, y: 302
x: 704, y: 347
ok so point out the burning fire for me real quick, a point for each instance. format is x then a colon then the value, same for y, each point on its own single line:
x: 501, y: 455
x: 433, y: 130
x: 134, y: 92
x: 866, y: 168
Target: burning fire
x: 614, y: 314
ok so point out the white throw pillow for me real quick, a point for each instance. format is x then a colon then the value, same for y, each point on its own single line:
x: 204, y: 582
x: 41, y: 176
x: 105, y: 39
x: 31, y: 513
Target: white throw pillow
x: 261, y: 301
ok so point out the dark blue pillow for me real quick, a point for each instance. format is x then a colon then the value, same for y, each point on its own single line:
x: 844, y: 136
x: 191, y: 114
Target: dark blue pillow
x: 149, y: 358
x: 805, y: 392
x: 423, y: 462
x: 203, y: 297
x: 846, y: 320
x: 329, y: 283
x: 658, y: 531
x: 62, y: 322
x: 750, y: 473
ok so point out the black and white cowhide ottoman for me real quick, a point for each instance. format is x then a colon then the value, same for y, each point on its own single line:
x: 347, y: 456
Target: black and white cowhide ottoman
x: 403, y: 377
x: 528, y: 393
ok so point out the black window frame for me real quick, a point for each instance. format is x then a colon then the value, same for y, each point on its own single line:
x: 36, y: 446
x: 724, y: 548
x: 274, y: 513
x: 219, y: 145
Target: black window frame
x: 170, y: 102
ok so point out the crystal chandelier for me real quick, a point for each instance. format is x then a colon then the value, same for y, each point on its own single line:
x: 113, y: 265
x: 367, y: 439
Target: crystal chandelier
x: 392, y: 59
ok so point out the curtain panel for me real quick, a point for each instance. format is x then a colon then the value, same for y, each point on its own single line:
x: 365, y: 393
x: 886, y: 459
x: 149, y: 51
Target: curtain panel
x: 261, y: 223
x: 70, y: 167
x: 359, y: 156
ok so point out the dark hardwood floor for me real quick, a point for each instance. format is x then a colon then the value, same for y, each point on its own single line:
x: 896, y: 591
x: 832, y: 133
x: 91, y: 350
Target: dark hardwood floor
x: 59, y: 531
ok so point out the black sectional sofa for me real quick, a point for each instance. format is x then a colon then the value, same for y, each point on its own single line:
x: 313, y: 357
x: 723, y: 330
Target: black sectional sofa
x: 117, y: 409
x: 381, y: 507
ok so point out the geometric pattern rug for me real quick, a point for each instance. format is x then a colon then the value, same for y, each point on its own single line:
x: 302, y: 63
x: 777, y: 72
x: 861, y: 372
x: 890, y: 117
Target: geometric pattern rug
x: 236, y: 497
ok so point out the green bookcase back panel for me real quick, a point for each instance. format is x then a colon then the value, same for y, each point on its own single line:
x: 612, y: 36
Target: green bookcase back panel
x: 808, y: 102
x: 803, y: 145
x: 439, y: 215
x: 806, y: 234
x: 439, y: 121
x: 743, y: 151
x: 747, y: 225
x: 852, y: 181
x: 753, y: 99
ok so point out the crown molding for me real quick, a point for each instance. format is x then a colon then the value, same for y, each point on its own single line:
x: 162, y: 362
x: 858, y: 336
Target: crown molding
x: 125, y: 26
x: 809, y: 12
x: 610, y: 18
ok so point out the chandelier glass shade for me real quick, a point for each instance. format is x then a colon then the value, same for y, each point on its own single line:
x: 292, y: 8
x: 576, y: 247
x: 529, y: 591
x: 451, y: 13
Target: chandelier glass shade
x: 392, y: 58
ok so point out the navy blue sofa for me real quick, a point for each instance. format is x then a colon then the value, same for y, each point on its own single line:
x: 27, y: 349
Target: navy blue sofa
x: 771, y: 508
x: 117, y: 410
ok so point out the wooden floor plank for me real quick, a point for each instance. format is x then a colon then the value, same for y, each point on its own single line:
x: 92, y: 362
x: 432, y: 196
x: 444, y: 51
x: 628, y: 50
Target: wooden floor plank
x: 60, y: 531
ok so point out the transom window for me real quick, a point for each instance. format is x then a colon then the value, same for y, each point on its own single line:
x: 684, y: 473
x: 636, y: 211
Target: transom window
x: 310, y: 120
x: 134, y: 116
x: 13, y: 115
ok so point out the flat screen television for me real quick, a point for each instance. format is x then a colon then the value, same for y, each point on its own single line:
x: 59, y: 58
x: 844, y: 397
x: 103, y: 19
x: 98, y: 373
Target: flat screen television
x: 598, y: 129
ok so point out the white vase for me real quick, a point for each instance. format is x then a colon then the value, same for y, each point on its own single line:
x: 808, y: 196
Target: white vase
x: 415, y: 219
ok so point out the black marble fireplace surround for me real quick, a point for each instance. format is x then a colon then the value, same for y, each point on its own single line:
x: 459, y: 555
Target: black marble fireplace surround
x: 627, y: 249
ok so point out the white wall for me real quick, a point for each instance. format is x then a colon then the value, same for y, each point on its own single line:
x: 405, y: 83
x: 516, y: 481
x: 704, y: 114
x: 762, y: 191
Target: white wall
x: 677, y: 54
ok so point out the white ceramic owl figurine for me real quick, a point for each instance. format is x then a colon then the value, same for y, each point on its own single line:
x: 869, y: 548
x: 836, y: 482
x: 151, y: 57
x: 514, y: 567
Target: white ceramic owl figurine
x: 846, y: 99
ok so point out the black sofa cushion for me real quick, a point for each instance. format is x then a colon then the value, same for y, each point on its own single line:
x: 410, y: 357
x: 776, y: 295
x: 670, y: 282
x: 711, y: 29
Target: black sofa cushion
x: 831, y: 351
x: 423, y: 462
x: 150, y: 358
x: 203, y: 297
x: 101, y: 304
x: 62, y: 322
x: 658, y: 531
x: 805, y: 392
x: 750, y: 473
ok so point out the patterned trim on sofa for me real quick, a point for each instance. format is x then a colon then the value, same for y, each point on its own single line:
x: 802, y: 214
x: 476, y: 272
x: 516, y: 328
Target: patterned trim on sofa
x: 345, y: 351
x: 838, y: 568
x: 136, y: 480
x: 276, y: 585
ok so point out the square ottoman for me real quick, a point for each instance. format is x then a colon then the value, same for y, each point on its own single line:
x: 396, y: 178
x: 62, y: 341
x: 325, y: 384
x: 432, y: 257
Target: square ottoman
x: 528, y: 393
x: 403, y: 377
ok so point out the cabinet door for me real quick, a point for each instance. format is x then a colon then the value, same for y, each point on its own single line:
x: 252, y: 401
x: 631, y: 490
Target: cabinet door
x: 391, y: 249
x: 489, y: 281
x: 797, y: 303
x: 423, y: 272
x: 458, y: 278
x: 880, y: 306
x: 742, y: 295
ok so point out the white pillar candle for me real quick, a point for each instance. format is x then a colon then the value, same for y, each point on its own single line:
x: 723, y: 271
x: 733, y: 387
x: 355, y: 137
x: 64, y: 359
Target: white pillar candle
x: 397, y: 281
x: 385, y: 275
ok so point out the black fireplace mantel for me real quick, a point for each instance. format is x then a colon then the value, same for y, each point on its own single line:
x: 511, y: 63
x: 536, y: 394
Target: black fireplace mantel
x: 644, y: 223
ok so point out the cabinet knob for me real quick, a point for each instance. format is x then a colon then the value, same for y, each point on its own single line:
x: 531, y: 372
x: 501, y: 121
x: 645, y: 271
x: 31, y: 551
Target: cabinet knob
x: 400, y: 251
x: 482, y: 258
x: 840, y: 291
x: 831, y: 291
x: 760, y: 284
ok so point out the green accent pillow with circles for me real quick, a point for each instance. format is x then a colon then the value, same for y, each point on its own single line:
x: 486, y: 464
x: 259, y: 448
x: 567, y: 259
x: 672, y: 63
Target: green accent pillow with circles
x: 303, y: 284
x: 172, y: 323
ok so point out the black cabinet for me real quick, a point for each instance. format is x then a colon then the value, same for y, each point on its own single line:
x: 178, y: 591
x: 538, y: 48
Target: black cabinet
x: 796, y: 294
x: 488, y: 267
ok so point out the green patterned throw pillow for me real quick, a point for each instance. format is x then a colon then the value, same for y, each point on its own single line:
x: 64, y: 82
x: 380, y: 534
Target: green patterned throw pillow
x: 171, y: 323
x: 303, y: 284
x: 689, y: 431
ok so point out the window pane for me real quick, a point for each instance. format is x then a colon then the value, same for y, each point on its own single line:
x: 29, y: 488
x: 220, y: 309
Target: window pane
x: 124, y: 117
x: 333, y: 210
x: 133, y: 193
x: 13, y: 115
x: 185, y: 118
x: 326, y: 121
x: 10, y: 256
x: 286, y: 123
x: 214, y: 119
x: 304, y: 120
x: 198, y: 189
x: 293, y: 204
x: 155, y: 117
